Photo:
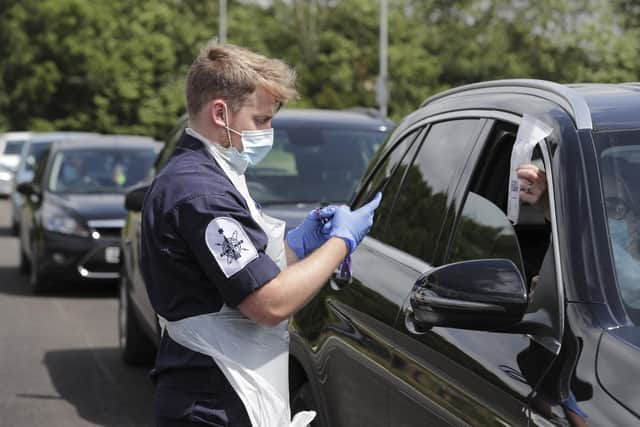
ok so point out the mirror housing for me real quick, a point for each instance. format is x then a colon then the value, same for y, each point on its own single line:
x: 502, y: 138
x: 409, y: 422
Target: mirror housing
x: 25, y: 188
x: 134, y: 197
x: 488, y: 294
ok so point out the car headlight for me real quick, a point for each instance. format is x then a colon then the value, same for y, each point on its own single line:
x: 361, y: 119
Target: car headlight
x: 6, y: 176
x: 56, y: 219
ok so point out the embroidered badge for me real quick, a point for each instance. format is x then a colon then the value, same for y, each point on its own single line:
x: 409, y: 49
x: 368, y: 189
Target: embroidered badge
x: 230, y: 245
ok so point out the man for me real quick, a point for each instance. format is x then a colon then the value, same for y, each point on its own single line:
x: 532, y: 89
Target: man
x: 218, y: 271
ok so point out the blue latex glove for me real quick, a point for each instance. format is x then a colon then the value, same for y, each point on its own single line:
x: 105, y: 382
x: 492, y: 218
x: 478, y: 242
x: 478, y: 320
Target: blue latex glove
x: 352, y: 226
x: 312, y: 232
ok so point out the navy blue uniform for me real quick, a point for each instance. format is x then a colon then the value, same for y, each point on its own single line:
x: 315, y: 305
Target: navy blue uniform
x: 184, y: 279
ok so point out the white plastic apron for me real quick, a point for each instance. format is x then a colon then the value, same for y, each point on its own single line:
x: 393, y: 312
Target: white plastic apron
x: 254, y: 358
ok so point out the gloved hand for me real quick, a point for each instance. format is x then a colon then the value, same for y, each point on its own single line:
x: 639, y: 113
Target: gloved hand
x: 312, y: 232
x: 352, y: 226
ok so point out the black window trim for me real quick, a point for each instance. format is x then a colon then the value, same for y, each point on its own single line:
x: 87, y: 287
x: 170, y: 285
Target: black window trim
x: 416, y: 145
x: 515, y: 119
x: 388, y: 150
x: 412, y: 150
x: 396, y: 255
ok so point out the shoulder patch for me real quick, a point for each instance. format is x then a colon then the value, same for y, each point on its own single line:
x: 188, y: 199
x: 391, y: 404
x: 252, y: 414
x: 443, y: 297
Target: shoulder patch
x: 229, y: 244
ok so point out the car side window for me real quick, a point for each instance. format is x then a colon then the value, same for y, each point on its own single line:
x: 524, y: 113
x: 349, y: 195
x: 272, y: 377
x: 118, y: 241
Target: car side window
x: 387, y: 178
x: 484, y: 231
x: 423, y: 200
x: 40, y: 166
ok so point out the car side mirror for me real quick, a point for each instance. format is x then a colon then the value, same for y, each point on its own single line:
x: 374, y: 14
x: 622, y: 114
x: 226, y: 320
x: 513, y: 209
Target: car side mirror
x: 488, y: 294
x: 25, y: 188
x: 134, y: 197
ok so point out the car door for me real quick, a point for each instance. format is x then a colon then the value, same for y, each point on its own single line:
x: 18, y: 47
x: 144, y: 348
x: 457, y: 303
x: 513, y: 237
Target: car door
x: 356, y: 377
x: 348, y: 324
x: 29, y: 210
x: 422, y: 208
x: 453, y: 376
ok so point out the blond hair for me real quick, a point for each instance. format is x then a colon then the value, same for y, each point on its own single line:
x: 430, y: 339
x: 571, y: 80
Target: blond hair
x: 232, y: 73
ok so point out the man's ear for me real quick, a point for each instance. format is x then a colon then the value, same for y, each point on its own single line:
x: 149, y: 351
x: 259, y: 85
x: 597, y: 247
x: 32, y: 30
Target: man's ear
x: 218, y: 112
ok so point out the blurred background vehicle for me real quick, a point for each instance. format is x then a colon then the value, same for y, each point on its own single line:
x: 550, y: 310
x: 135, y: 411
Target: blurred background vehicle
x: 6, y: 180
x: 11, y: 144
x: 318, y: 157
x: 73, y: 209
x: 32, y: 149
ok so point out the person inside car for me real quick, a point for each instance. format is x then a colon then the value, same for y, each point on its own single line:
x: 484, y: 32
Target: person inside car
x: 219, y: 272
x: 533, y: 186
x: 623, y: 221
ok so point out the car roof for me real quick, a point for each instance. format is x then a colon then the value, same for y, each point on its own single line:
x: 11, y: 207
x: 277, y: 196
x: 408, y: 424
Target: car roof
x: 104, y: 142
x: 595, y: 106
x: 613, y: 105
x: 14, y: 136
x: 364, y: 118
x: 335, y: 119
x: 39, y: 137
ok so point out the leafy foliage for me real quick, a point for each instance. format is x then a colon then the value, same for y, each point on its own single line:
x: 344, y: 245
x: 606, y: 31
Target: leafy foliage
x: 119, y: 66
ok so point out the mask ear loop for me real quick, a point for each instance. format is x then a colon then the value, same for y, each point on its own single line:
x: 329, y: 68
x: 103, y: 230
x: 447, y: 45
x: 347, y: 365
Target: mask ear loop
x: 229, y: 129
x: 226, y: 124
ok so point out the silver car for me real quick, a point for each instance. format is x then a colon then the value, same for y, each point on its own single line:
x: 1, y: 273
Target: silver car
x: 11, y: 144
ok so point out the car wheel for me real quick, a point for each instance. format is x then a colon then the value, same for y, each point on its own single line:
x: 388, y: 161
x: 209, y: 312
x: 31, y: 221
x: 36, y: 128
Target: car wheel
x: 302, y: 400
x: 136, y: 348
x: 37, y: 281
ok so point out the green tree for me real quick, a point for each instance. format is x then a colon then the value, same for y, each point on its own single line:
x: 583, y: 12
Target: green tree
x: 110, y: 66
x: 119, y: 66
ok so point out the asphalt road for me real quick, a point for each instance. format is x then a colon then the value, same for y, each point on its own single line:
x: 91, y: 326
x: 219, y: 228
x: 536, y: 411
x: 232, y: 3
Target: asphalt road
x: 59, y: 360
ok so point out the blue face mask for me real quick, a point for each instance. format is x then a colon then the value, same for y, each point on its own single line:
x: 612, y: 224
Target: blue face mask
x: 256, y: 145
x: 69, y: 173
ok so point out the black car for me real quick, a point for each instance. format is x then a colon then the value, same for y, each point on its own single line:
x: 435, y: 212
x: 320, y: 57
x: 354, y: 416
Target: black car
x: 73, y: 209
x: 455, y: 315
x: 318, y: 157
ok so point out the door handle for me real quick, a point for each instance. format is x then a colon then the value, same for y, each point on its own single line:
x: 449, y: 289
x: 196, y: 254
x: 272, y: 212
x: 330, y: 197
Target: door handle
x: 339, y: 281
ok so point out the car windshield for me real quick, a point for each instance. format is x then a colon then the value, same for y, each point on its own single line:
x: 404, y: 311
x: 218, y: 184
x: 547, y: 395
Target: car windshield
x: 311, y: 165
x: 34, y: 152
x: 13, y: 147
x: 99, y: 170
x: 619, y: 154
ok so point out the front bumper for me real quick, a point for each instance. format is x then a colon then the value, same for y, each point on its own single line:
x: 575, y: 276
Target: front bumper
x: 65, y: 256
x: 6, y: 187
